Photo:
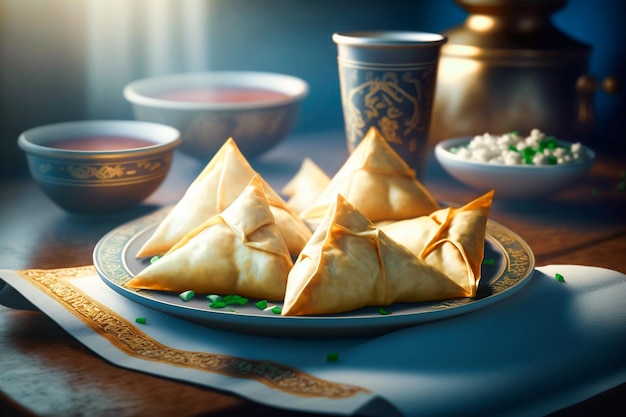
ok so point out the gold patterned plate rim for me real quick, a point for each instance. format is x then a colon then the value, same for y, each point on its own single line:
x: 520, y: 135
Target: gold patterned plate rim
x: 510, y: 264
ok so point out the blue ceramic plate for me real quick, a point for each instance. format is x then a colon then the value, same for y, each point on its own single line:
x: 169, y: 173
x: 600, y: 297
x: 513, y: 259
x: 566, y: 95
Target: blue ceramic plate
x: 510, y: 266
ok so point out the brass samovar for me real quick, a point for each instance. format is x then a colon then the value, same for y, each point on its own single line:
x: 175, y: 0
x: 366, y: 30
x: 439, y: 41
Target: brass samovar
x: 508, y: 68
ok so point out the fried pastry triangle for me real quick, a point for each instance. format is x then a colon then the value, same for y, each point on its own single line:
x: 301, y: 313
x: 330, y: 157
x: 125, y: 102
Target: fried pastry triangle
x: 377, y: 182
x: 217, y: 186
x: 304, y: 187
x: 349, y: 263
x: 450, y: 239
x: 239, y: 251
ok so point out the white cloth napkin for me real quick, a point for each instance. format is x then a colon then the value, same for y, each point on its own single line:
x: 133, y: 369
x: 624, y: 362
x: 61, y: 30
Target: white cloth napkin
x: 548, y: 346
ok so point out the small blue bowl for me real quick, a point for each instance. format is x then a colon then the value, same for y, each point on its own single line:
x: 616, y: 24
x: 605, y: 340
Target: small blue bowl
x: 99, y: 167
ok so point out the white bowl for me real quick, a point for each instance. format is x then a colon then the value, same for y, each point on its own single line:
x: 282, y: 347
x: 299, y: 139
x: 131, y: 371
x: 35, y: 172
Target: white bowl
x: 255, y: 125
x: 511, y: 182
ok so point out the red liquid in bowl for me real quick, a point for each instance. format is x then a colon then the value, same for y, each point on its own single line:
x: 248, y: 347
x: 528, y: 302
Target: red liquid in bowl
x: 99, y: 143
x: 223, y: 95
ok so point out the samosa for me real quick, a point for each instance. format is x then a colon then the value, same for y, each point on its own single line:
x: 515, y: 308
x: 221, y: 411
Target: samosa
x: 377, y: 182
x: 214, y: 189
x: 239, y: 251
x: 450, y: 239
x: 349, y: 263
x: 304, y: 187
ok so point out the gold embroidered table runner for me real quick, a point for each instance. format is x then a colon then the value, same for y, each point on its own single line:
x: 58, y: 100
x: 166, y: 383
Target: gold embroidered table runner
x: 529, y: 338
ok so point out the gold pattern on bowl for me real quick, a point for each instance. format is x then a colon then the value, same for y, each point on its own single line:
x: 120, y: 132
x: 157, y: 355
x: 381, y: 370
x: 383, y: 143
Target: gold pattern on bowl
x: 100, y: 181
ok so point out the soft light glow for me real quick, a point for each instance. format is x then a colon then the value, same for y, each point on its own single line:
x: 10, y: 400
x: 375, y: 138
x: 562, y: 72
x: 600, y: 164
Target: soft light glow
x: 456, y: 70
x: 126, y: 40
x: 462, y: 51
x: 480, y: 23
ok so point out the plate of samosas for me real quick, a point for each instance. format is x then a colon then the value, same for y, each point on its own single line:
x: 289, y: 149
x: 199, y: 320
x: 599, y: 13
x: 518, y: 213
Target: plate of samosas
x: 369, y: 253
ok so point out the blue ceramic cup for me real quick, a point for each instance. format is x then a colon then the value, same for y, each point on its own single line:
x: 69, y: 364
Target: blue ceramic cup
x: 387, y: 81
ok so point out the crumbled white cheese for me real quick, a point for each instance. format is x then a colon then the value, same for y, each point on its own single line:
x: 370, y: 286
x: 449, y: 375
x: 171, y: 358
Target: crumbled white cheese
x: 513, y: 149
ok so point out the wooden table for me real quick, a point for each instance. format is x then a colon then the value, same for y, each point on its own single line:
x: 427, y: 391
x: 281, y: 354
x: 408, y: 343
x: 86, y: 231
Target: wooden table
x: 53, y: 375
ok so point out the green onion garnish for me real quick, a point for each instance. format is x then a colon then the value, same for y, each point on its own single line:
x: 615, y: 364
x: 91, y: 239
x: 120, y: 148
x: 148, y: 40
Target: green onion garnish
x: 332, y: 357
x: 559, y: 277
x: 383, y: 312
x: 218, y: 304
x: 213, y: 297
x: 140, y: 320
x: 514, y: 148
x: 218, y: 301
x: 261, y: 305
x: 235, y: 299
x: 527, y: 154
x: 187, y: 295
x: 551, y: 142
x: 276, y: 310
x: 489, y: 261
x: 154, y: 259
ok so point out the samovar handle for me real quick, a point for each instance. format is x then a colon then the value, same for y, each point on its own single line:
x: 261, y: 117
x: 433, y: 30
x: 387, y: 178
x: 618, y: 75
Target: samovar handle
x: 586, y: 86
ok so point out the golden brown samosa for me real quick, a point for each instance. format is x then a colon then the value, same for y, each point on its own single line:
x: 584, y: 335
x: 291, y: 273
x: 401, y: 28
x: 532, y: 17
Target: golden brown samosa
x: 349, y: 263
x: 239, y: 251
x: 304, y: 187
x: 377, y: 182
x: 216, y: 187
x: 451, y: 240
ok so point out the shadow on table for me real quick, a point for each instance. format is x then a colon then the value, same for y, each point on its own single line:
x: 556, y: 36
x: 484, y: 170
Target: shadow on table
x: 68, y: 240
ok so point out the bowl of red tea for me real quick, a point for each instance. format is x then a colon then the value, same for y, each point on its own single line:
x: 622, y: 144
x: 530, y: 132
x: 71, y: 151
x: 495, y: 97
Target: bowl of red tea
x: 256, y: 109
x: 101, y: 166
